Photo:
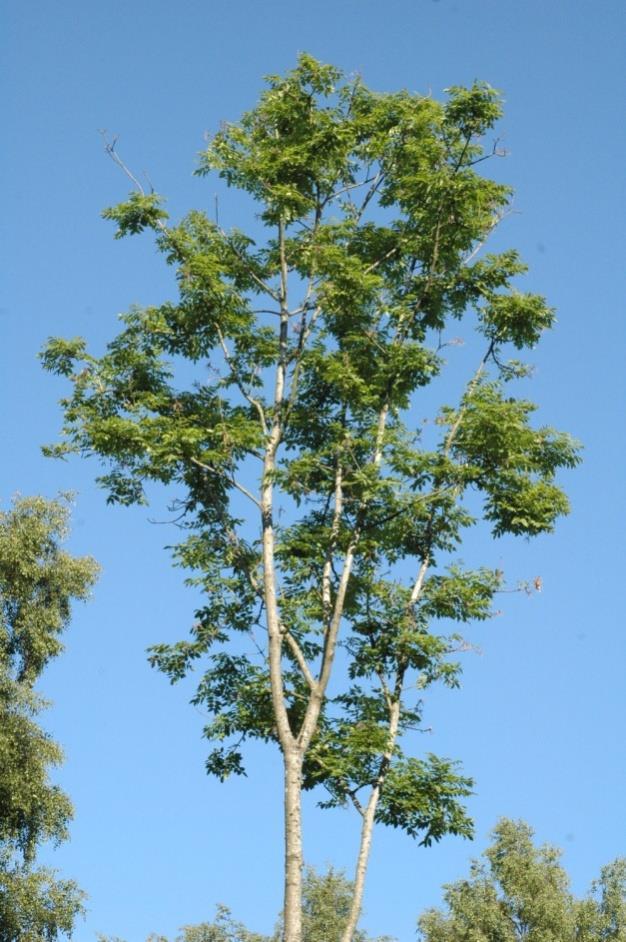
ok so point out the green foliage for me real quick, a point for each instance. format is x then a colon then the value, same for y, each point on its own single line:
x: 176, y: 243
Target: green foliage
x: 519, y: 319
x: 286, y: 375
x: 422, y: 797
x: 35, y: 904
x: 223, y: 929
x: 602, y: 916
x: 520, y: 893
x: 38, y: 582
x: 32, y: 809
x: 326, y: 902
x: 141, y: 211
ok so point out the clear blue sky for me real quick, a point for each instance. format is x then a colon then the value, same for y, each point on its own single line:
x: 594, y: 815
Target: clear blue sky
x: 540, y: 720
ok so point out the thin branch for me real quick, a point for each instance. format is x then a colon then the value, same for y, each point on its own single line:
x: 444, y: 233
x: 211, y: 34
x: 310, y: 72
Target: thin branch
x: 449, y: 439
x: 231, y: 480
x: 109, y: 147
x: 418, y: 585
x: 300, y: 658
x: 253, y: 402
x: 496, y: 222
x: 332, y: 543
x: 378, y: 179
x: 346, y: 189
x: 248, y: 267
x: 332, y: 631
x: 235, y: 539
x: 173, y: 522
x: 305, y: 331
x: 495, y: 152
x: 385, y: 688
x: 357, y: 804
x: 262, y: 654
x: 379, y: 261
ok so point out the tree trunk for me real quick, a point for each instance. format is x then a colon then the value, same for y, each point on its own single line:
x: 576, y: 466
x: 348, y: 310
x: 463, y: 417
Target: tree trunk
x: 293, y: 847
x: 369, y: 814
x: 361, y: 867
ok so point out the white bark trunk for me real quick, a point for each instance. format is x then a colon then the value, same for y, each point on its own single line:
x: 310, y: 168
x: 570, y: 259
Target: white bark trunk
x: 361, y: 865
x: 293, y: 847
x: 367, y: 826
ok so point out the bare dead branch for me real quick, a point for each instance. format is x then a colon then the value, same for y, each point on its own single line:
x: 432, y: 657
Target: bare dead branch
x: 109, y: 147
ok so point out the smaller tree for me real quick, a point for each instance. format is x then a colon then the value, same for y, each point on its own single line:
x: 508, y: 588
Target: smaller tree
x: 327, y: 900
x: 602, y: 916
x: 520, y: 893
x: 38, y: 581
x: 326, y: 908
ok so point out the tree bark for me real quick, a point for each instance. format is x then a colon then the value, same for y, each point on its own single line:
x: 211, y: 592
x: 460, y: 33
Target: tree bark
x: 293, y: 846
x: 361, y: 866
x: 367, y: 827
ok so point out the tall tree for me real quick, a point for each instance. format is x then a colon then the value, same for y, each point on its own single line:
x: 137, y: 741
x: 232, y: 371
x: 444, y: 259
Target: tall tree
x: 38, y: 581
x: 322, y: 527
x: 520, y: 893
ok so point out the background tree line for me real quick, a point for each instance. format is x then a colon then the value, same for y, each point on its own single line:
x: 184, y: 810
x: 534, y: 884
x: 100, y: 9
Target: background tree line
x: 516, y: 892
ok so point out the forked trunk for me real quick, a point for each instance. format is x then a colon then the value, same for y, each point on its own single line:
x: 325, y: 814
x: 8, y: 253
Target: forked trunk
x: 293, y: 847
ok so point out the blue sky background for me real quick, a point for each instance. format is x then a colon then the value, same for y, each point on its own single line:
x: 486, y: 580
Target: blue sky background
x: 540, y: 719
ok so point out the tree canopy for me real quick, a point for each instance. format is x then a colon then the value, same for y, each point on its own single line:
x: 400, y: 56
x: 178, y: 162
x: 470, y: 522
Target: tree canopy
x: 279, y: 395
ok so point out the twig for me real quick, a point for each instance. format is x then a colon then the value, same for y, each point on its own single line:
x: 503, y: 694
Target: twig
x: 496, y: 222
x: 300, y: 658
x: 253, y: 402
x: 231, y: 480
x: 109, y: 147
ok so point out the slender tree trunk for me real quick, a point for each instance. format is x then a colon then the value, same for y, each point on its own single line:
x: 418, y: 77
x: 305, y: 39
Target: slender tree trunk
x: 292, y: 754
x: 369, y: 815
x: 367, y: 828
x: 293, y: 846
